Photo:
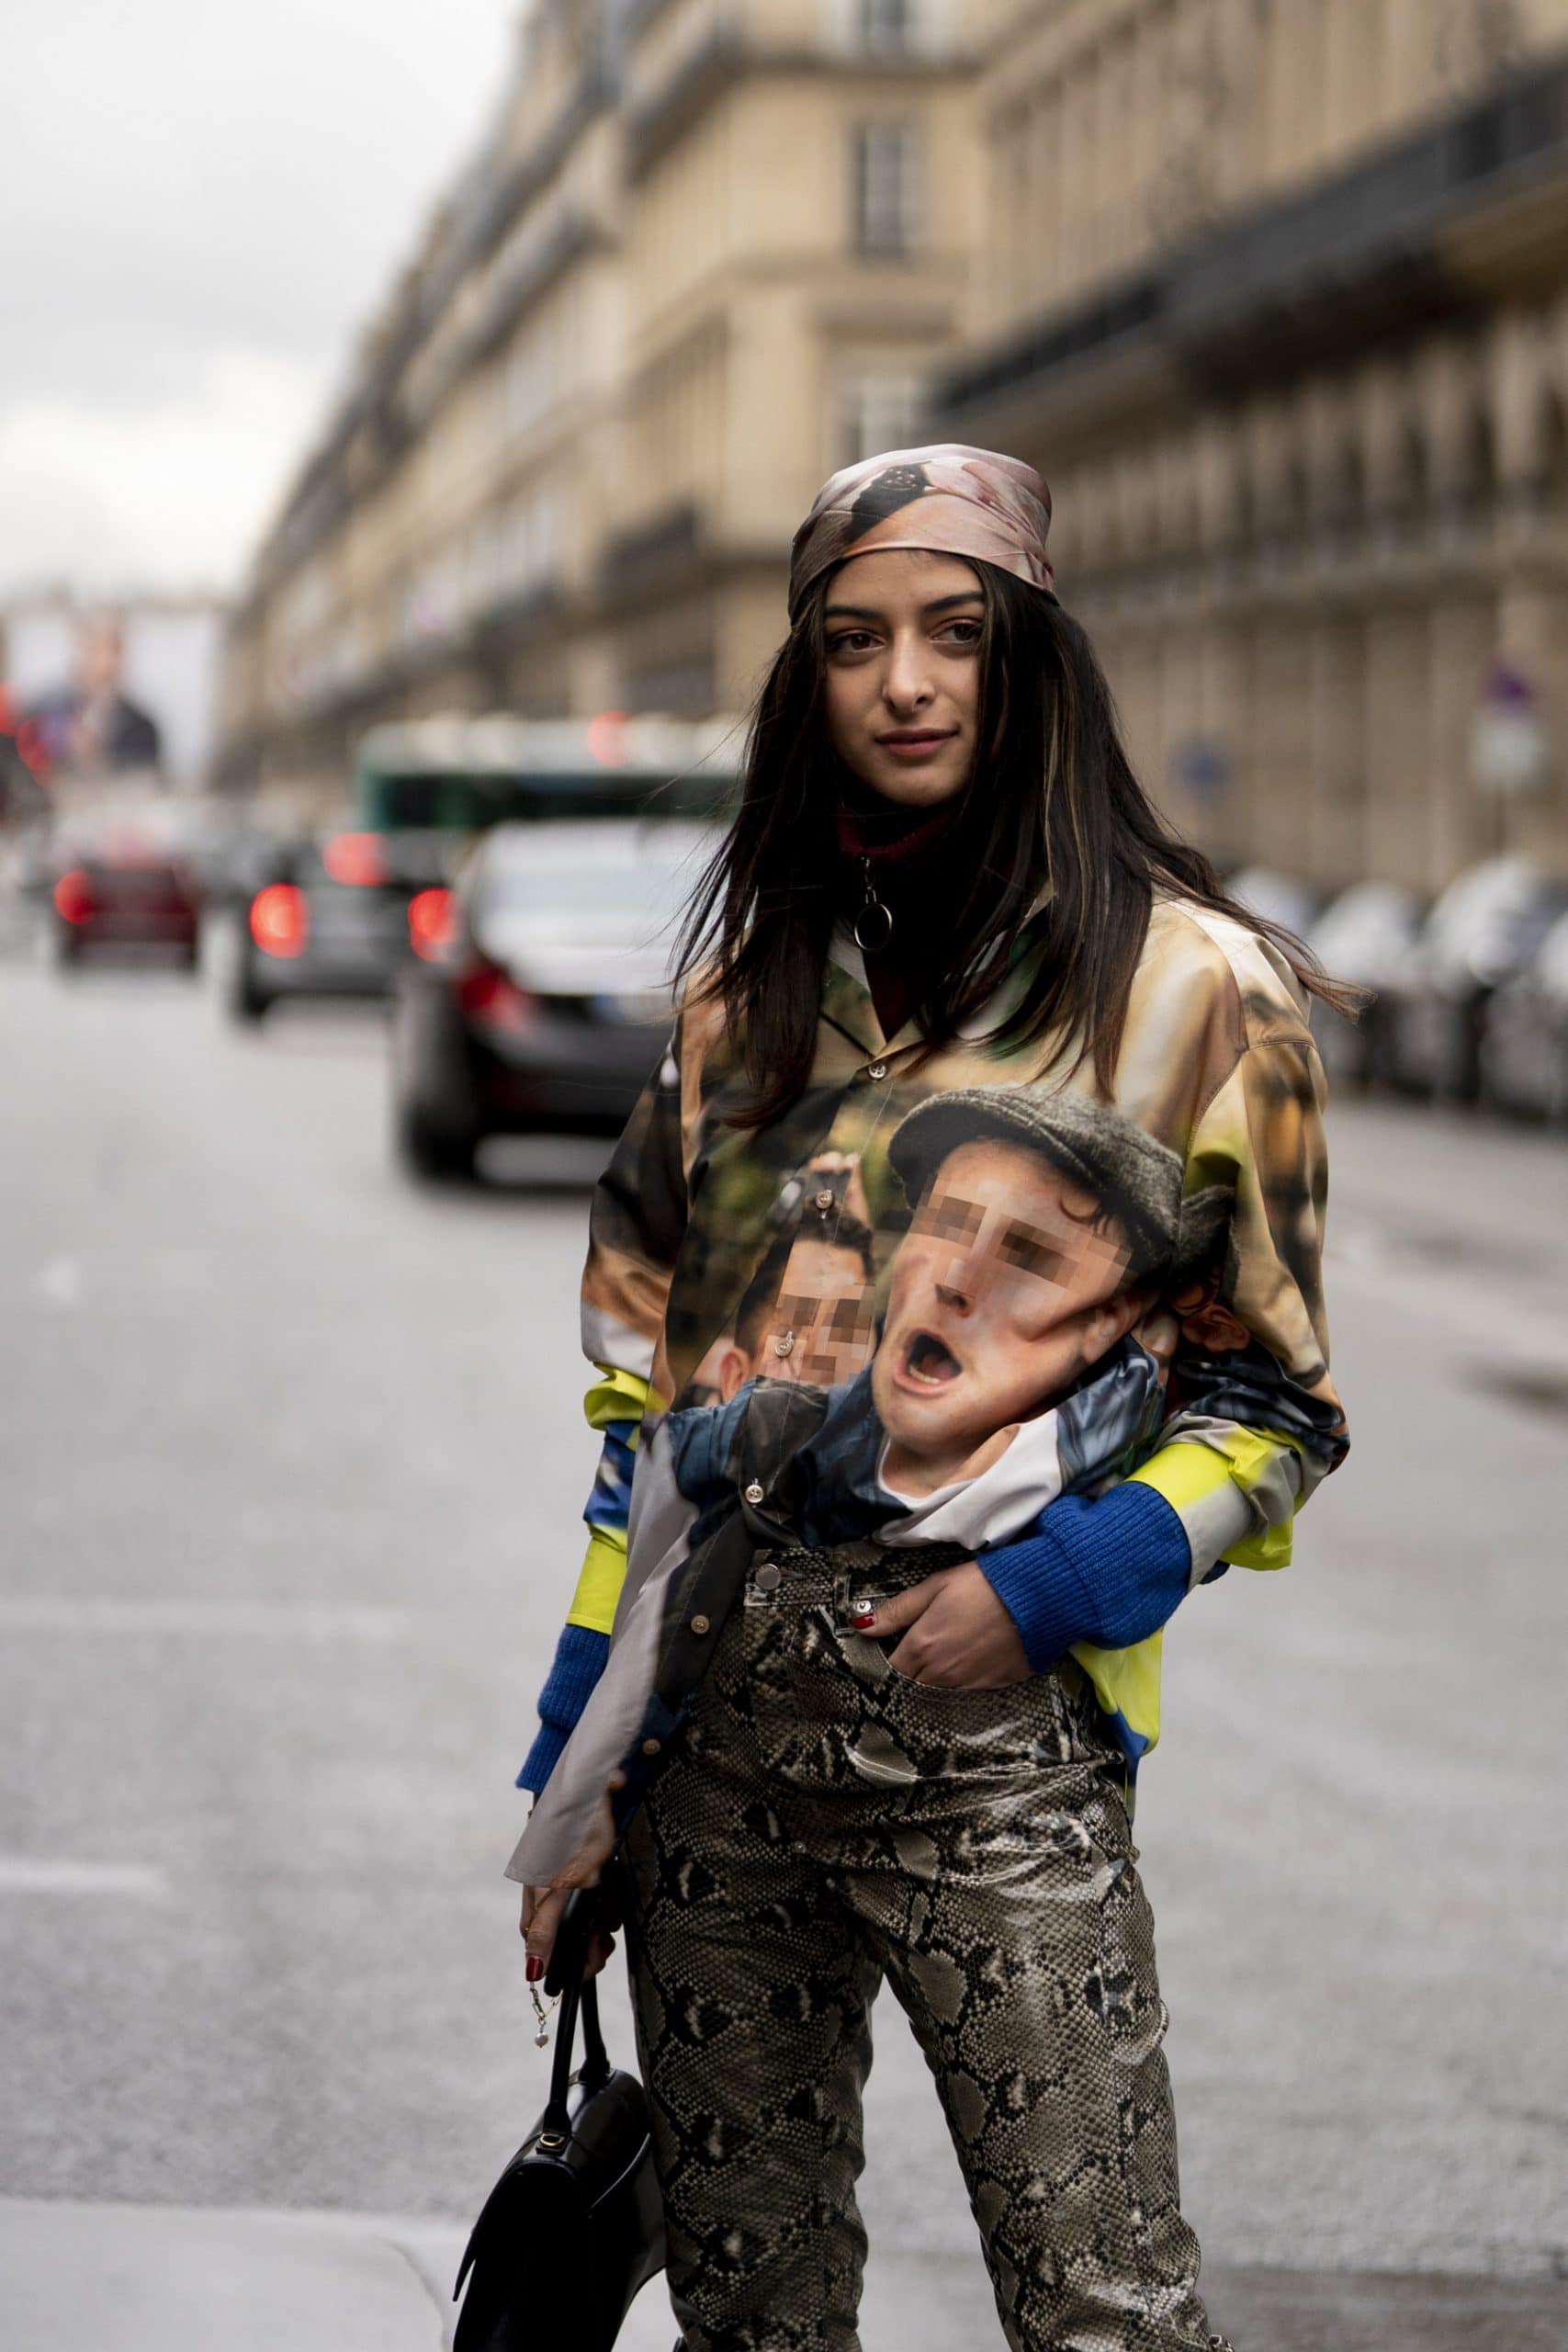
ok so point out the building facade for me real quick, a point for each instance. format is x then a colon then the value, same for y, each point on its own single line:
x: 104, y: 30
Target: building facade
x: 1275, y: 292
x: 711, y: 249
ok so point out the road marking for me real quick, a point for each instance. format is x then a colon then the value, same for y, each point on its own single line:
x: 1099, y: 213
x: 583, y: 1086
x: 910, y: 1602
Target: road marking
x: 26, y: 1874
x: 244, y: 1620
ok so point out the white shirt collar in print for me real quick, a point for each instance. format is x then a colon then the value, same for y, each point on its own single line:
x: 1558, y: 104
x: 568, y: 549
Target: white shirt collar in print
x: 1001, y: 1501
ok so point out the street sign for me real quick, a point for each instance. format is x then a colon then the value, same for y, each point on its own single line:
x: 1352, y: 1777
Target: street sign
x: 1201, y: 765
x: 1510, y: 746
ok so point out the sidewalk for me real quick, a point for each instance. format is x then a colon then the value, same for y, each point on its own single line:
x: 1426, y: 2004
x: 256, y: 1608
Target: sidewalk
x: 153, y: 2278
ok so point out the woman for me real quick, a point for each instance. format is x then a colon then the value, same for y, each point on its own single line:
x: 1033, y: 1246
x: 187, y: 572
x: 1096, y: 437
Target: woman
x: 954, y: 1294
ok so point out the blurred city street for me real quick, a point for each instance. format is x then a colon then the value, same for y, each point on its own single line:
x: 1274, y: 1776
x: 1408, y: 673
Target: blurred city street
x: 296, y: 1460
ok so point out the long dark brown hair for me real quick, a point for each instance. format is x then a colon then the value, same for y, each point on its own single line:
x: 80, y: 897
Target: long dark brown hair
x: 1055, y: 800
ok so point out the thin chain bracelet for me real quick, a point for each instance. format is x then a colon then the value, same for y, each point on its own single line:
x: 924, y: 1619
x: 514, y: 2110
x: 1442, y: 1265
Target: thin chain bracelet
x: 541, y: 2040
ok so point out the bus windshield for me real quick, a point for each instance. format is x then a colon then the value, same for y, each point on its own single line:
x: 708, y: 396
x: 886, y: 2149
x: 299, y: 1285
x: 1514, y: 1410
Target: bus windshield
x: 464, y: 775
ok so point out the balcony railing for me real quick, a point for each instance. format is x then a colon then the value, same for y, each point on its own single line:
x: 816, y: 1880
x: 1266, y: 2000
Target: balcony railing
x: 1326, y: 272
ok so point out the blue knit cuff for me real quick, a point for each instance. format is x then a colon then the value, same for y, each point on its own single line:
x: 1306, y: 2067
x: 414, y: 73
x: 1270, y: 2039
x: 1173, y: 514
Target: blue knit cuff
x: 1108, y: 1571
x: 579, y: 1662
x: 543, y: 1756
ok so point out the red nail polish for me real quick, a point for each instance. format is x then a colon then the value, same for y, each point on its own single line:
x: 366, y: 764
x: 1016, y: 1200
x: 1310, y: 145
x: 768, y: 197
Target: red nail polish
x: 534, y: 1971
x: 865, y: 1617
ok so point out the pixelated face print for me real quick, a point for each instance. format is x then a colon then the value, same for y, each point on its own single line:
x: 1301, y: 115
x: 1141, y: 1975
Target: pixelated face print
x: 821, y: 1326
x: 1003, y: 1292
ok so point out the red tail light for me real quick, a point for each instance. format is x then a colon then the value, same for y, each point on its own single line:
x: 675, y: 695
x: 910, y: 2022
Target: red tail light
x: 280, y: 919
x: 33, y: 744
x: 430, y: 923
x: 606, y: 737
x: 487, y: 994
x: 359, y: 859
x: 73, y: 897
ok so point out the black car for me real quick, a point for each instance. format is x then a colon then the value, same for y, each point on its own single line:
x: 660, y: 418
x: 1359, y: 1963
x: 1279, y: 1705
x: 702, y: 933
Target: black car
x: 551, y: 1001
x: 1484, y: 928
x: 338, y: 917
x: 123, y: 894
x: 1524, y: 1037
x: 233, y: 864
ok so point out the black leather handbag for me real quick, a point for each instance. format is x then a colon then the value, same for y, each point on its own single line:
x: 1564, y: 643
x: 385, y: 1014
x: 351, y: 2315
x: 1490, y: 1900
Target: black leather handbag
x: 573, y: 2227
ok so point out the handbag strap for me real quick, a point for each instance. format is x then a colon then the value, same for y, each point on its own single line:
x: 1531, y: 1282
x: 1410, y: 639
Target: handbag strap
x: 595, y: 2069
x: 579, y: 1994
x: 555, y: 2124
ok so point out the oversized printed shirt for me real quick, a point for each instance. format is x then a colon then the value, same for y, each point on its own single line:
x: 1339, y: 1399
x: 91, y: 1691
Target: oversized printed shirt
x: 945, y: 1288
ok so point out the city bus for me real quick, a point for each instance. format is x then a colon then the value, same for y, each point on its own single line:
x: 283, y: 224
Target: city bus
x: 459, y: 774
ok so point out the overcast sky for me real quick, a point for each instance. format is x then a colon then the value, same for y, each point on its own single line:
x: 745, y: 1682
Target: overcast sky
x: 204, y: 203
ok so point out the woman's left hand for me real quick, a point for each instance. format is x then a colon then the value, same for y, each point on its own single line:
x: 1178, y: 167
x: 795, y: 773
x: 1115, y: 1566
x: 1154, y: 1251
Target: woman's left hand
x: 542, y: 1905
x: 955, y: 1631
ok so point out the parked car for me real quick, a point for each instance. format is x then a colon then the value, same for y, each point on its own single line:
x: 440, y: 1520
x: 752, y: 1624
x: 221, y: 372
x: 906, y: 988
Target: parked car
x: 1365, y: 935
x: 550, y: 1002
x: 336, y: 918
x: 1484, y: 929
x: 1277, y: 898
x: 1524, y: 1035
x: 125, y: 890
x: 234, y: 864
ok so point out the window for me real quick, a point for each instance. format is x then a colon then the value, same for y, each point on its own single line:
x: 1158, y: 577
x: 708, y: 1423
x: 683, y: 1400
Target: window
x: 884, y: 23
x: 433, y: 601
x: 531, y: 542
x: 534, y: 374
x: 880, y: 410
x: 484, y: 564
x: 884, y: 159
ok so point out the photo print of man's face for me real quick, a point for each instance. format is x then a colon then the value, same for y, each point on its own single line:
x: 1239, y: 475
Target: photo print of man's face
x: 808, y: 1313
x: 1009, y: 1285
x: 821, y: 1323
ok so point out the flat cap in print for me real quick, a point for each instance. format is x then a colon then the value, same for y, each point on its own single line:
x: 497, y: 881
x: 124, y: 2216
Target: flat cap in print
x: 1121, y: 1167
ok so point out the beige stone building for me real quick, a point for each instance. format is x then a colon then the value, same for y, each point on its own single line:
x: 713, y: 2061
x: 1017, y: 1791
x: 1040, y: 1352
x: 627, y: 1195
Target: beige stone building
x: 1276, y: 294
x: 712, y: 249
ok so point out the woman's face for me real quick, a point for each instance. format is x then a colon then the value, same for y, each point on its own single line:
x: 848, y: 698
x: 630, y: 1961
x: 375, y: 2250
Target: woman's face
x: 904, y: 629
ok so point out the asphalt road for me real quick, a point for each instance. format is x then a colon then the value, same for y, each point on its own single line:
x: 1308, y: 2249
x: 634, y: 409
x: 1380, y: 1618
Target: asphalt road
x: 293, y: 1464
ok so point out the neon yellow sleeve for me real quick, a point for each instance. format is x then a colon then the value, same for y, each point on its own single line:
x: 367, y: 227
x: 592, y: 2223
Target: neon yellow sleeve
x: 615, y: 1405
x: 1234, y: 1490
x: 599, y: 1580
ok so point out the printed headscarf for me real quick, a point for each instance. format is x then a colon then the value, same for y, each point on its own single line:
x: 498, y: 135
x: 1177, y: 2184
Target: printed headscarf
x: 949, y: 498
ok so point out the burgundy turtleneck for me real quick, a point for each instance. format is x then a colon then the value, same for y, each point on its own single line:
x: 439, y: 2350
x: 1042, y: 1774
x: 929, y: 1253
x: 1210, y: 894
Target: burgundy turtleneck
x: 906, y: 852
